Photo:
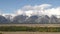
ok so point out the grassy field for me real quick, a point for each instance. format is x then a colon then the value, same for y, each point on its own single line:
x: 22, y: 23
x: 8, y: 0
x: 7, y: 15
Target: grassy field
x: 29, y: 29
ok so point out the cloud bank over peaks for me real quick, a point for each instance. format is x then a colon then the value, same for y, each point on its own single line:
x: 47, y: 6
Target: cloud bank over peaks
x: 33, y: 10
x: 43, y: 9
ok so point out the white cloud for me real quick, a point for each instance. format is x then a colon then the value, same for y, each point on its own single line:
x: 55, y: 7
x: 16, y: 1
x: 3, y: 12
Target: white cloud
x: 53, y: 11
x: 19, y: 12
x: 39, y: 10
x: 29, y: 13
x: 36, y: 7
x: 27, y: 7
x: 41, y: 7
x: 33, y: 10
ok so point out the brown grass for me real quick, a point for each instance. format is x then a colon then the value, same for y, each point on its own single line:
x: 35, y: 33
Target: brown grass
x: 32, y: 25
x: 31, y: 32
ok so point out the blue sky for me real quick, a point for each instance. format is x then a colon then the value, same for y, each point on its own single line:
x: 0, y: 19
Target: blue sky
x: 9, y: 6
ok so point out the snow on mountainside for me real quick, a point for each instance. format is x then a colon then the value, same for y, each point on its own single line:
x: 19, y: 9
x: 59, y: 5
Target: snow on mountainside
x: 42, y: 19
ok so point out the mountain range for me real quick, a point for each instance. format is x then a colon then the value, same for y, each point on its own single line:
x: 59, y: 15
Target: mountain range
x: 24, y: 19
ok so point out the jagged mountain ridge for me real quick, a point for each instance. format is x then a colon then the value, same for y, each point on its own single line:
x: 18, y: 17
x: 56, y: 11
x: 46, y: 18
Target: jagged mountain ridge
x: 43, y: 19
